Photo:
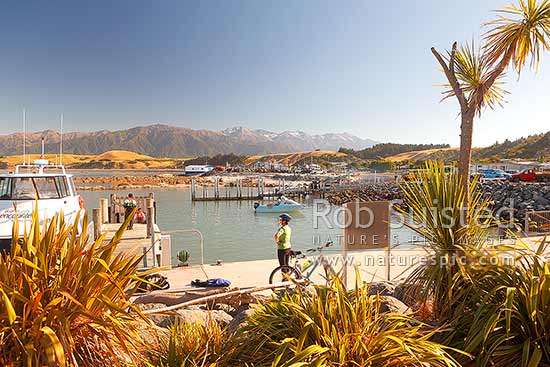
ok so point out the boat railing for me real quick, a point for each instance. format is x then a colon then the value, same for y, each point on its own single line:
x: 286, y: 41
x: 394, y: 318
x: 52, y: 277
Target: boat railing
x: 41, y: 168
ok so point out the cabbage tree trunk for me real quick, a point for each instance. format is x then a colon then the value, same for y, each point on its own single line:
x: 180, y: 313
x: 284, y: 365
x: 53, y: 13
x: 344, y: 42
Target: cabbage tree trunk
x: 467, y: 114
x: 465, y: 155
x: 469, y: 106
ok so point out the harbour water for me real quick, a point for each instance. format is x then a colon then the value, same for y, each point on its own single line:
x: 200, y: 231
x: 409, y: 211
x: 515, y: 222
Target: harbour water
x: 233, y: 231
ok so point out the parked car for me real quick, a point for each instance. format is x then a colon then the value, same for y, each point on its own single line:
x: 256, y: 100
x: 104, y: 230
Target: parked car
x: 494, y: 174
x: 530, y: 175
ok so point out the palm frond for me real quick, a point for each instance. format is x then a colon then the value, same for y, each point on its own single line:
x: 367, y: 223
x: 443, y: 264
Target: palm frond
x: 472, y: 70
x: 520, y: 32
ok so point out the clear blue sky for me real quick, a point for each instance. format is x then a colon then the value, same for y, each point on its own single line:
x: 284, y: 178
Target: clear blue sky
x: 363, y: 67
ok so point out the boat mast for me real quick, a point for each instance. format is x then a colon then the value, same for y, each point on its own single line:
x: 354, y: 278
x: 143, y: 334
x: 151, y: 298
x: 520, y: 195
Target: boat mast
x: 24, y: 137
x: 61, y: 142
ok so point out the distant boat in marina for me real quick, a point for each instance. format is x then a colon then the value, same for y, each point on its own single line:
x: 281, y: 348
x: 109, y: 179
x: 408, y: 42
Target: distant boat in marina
x: 284, y: 204
x: 198, y: 169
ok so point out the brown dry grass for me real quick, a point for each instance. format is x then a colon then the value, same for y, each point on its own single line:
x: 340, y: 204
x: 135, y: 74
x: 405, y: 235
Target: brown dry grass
x: 122, y: 159
x: 292, y: 158
x: 118, y: 159
x: 122, y: 155
x: 417, y: 155
x: 68, y: 159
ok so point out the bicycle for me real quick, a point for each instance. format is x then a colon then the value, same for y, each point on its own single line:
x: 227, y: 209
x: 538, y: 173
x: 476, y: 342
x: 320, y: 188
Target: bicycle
x: 303, y: 271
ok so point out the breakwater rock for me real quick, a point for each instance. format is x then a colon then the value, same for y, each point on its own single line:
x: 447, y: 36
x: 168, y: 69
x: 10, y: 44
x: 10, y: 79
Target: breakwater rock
x: 121, y: 182
x: 520, y: 197
x: 372, y: 192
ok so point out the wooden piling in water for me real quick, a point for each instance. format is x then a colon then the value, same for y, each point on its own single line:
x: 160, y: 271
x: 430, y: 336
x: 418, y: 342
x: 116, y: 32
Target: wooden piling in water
x: 112, y: 209
x: 255, y: 191
x: 104, y: 210
x: 217, y: 188
x: 96, y: 217
x: 150, y: 215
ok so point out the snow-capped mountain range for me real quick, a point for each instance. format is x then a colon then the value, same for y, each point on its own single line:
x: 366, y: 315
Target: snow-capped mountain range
x: 172, y: 141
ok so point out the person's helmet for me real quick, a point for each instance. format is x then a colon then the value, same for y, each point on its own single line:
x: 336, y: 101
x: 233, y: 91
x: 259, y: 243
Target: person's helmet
x: 285, y: 217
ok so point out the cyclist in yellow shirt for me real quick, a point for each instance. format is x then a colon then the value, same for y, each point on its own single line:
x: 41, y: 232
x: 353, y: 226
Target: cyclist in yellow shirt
x: 282, y: 239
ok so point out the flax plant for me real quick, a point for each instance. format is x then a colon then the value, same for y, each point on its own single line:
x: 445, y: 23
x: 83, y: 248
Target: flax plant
x: 453, y: 233
x: 65, y: 301
x: 331, y: 326
x: 504, y: 316
x: 194, y: 345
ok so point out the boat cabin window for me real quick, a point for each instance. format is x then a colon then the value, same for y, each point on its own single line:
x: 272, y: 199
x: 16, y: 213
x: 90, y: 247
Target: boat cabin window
x: 23, y: 189
x: 30, y: 188
x: 46, y: 187
x: 61, y: 184
x: 5, y: 188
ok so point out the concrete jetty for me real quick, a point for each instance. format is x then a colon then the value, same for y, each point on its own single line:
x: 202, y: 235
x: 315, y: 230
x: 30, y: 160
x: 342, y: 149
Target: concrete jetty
x: 135, y: 241
x: 146, y: 238
x: 372, y: 266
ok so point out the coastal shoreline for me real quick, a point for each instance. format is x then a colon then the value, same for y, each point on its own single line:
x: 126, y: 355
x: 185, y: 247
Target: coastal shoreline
x: 164, y: 180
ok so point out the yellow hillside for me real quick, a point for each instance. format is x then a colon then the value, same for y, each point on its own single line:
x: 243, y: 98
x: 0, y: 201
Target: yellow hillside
x: 122, y: 155
x: 68, y: 159
x: 417, y: 155
x: 292, y: 158
x: 122, y: 159
x: 114, y: 159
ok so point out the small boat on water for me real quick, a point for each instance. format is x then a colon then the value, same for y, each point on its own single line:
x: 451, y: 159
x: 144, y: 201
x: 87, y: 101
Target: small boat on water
x: 282, y: 205
x: 198, y: 169
x: 47, y: 185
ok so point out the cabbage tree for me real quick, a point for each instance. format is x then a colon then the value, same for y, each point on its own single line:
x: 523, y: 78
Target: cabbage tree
x: 518, y: 36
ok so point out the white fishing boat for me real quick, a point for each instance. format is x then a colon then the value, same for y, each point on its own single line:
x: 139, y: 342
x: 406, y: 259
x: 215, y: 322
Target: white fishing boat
x: 282, y: 205
x: 47, y: 186
x: 198, y: 169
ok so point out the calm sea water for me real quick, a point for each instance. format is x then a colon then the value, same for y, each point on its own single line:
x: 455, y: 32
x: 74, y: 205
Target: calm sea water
x: 232, y: 230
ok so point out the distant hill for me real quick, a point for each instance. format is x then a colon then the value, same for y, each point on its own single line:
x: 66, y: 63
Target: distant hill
x: 534, y: 147
x: 444, y: 154
x: 321, y: 157
x: 531, y: 147
x: 115, y: 159
x: 120, y: 159
x: 385, y: 150
x: 172, y: 141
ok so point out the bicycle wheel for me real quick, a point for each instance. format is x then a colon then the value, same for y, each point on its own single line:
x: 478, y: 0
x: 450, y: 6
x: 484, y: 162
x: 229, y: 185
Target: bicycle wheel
x: 284, y: 273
